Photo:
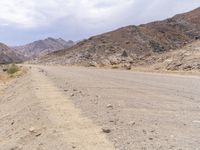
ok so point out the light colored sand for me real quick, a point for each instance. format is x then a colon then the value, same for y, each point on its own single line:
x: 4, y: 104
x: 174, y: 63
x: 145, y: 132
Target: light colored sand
x: 36, y: 115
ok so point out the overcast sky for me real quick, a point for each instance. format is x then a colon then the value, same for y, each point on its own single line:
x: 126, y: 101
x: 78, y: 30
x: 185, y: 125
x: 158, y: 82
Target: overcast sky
x: 23, y: 21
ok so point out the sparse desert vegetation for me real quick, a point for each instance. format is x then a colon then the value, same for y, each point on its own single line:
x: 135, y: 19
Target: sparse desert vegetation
x: 12, y: 69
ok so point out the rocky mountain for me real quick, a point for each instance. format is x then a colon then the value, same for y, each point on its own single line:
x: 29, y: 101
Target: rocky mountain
x: 42, y: 47
x: 132, y: 45
x: 7, y: 55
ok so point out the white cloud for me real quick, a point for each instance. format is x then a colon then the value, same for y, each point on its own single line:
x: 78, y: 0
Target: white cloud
x: 23, y: 21
x: 34, y: 13
x: 101, y: 13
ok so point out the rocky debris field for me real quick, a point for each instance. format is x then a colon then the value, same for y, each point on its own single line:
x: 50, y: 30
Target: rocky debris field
x: 187, y: 58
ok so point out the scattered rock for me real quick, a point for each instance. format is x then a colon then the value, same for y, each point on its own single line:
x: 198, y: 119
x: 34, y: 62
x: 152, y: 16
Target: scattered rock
x: 41, y: 70
x: 106, y: 130
x: 38, y: 134
x: 109, y: 106
x: 152, y: 131
x: 14, y: 148
x: 131, y: 123
x: 12, y: 123
x: 144, y: 131
x: 35, y: 132
x: 32, y: 130
x: 92, y: 64
x: 151, y: 139
x: 5, y: 69
x: 73, y: 147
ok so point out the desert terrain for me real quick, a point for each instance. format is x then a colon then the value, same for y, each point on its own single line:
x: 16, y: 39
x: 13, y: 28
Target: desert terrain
x: 56, y: 107
x: 135, y: 87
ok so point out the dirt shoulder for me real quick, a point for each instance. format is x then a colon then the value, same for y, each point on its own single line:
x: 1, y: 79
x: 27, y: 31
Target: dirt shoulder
x: 34, y: 114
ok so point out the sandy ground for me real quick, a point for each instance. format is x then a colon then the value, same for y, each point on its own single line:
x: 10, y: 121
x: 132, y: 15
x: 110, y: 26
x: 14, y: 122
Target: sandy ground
x: 35, y: 115
x: 67, y: 107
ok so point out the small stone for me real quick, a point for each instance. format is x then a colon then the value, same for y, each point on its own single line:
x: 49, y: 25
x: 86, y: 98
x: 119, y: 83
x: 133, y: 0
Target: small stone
x: 73, y: 147
x: 32, y: 129
x: 131, y: 123
x: 109, y: 106
x: 152, y: 131
x: 12, y: 123
x: 144, y: 131
x: 72, y: 94
x: 38, y: 134
x: 106, y: 130
x: 14, y: 148
x: 151, y: 139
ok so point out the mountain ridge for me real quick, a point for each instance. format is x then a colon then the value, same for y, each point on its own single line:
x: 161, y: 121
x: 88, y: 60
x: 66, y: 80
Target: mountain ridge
x: 7, y: 55
x: 138, y: 42
x: 42, y: 47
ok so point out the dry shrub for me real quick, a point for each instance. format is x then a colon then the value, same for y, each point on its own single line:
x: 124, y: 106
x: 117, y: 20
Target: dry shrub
x: 12, y: 69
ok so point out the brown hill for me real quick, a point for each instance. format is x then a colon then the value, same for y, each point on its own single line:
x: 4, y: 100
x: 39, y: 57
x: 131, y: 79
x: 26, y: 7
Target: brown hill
x: 132, y: 45
x: 9, y: 56
x: 42, y: 47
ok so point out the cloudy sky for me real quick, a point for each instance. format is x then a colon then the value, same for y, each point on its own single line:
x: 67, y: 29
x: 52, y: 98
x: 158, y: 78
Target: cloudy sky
x: 23, y: 21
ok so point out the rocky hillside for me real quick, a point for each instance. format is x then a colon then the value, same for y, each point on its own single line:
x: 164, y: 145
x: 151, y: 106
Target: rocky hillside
x: 7, y: 55
x: 186, y: 58
x: 42, y: 47
x: 132, y: 45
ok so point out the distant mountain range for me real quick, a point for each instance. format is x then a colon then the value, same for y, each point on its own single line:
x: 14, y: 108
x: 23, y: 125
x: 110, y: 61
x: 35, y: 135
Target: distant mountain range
x: 42, y: 47
x: 7, y: 55
x: 132, y: 45
x: 32, y: 50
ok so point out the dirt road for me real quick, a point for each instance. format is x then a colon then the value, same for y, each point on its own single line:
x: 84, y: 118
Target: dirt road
x: 35, y: 115
x: 67, y: 107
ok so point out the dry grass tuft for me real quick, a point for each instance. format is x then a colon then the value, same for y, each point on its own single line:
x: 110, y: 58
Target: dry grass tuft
x: 12, y: 69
